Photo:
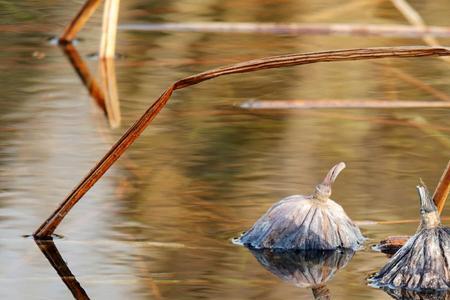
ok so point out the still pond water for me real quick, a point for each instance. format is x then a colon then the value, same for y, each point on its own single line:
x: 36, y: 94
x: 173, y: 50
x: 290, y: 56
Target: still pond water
x: 158, y: 225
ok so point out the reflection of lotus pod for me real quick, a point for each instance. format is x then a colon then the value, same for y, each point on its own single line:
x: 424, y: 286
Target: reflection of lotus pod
x: 311, y: 268
x: 401, y: 294
x: 321, y: 292
x: 305, y: 222
x: 422, y: 264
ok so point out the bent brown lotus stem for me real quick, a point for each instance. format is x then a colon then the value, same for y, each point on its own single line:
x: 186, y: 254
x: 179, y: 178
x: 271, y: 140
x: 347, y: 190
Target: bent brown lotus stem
x: 79, y: 20
x: 333, y: 173
x: 47, y: 228
x: 322, y: 191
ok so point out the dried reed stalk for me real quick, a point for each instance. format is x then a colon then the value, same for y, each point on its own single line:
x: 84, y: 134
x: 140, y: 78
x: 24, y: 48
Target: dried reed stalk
x: 413, y: 18
x: 335, y: 10
x: 405, y: 31
x: 417, y: 83
x: 430, y: 131
x: 48, y: 227
x: 393, y: 222
x: 331, y: 103
x: 442, y: 189
x: 353, y: 117
x: 109, y: 29
x: 416, y: 20
x: 392, y: 244
x: 78, y: 22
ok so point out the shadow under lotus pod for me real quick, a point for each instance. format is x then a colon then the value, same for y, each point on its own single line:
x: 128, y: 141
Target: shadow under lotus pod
x: 422, y: 264
x: 305, y: 269
x: 305, y: 222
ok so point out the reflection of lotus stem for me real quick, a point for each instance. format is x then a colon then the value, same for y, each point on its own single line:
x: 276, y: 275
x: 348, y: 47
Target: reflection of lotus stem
x: 112, y: 105
x: 85, y: 75
x: 107, y: 98
x: 321, y: 292
x: 50, y: 251
x: 49, y: 226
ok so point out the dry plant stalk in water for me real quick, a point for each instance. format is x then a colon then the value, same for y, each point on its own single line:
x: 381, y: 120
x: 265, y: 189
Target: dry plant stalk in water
x: 109, y: 28
x: 48, y: 227
x: 79, y: 21
x: 442, y: 189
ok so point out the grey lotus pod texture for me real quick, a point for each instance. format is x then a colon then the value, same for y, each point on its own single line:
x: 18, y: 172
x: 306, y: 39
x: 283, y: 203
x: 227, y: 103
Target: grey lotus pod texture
x: 423, y: 262
x: 305, y: 222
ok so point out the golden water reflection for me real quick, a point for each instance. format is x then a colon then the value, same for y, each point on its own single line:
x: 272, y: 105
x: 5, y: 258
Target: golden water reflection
x: 160, y: 221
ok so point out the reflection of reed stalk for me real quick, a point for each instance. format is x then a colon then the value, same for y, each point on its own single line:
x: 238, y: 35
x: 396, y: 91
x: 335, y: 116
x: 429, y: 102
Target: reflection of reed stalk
x: 49, y: 226
x: 108, y: 76
x: 50, y: 251
x: 107, y: 98
x: 85, y: 75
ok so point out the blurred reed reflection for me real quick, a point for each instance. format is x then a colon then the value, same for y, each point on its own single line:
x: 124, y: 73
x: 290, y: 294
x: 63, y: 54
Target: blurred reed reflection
x: 305, y: 269
x: 105, y: 94
x: 52, y: 254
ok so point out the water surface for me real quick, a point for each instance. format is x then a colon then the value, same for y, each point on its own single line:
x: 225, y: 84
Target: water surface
x: 158, y: 224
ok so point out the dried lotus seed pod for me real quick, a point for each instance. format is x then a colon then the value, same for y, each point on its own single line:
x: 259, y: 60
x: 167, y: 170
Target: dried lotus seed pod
x: 305, y: 222
x: 422, y: 264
